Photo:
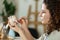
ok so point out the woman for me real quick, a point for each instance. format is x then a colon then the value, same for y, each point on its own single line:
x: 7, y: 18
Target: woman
x: 50, y: 17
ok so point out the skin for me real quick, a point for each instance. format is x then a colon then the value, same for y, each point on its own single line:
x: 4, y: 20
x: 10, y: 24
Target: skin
x: 23, y: 31
x: 44, y: 14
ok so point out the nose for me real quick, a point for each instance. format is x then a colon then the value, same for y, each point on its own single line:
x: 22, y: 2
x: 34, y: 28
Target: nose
x: 40, y: 14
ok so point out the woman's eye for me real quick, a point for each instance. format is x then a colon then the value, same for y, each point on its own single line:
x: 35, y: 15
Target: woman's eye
x: 43, y: 12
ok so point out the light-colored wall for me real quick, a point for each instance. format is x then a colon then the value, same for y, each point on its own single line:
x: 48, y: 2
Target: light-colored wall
x: 23, y: 5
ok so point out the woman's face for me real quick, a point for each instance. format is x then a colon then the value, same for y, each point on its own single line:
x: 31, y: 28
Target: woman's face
x: 44, y: 14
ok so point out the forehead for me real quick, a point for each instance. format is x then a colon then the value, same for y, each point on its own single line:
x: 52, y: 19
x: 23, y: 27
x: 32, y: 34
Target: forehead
x: 44, y: 7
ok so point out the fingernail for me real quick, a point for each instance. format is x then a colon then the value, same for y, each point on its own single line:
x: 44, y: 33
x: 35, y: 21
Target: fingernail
x: 24, y: 19
x: 21, y: 21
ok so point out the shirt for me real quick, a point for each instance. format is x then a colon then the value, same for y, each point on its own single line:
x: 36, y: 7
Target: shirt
x: 55, y: 35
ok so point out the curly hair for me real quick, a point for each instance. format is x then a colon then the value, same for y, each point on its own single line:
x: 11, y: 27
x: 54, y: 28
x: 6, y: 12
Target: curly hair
x: 54, y: 7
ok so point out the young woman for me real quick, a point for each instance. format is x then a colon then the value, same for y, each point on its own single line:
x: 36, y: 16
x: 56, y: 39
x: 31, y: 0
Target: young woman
x: 50, y: 15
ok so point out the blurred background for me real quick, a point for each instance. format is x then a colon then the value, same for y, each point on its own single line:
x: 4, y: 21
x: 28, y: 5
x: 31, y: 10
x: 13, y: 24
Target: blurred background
x: 20, y: 8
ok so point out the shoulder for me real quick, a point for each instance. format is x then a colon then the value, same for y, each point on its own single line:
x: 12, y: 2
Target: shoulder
x: 55, y: 35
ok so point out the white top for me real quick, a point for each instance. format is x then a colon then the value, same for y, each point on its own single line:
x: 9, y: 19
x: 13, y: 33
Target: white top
x: 55, y: 35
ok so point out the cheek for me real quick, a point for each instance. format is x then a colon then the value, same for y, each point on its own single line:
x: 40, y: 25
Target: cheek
x: 46, y: 19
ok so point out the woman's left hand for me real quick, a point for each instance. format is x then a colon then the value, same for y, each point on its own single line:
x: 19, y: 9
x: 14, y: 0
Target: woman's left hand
x: 15, y: 27
x: 24, y: 23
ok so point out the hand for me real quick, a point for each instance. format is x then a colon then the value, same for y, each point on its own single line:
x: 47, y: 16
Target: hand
x: 15, y: 27
x: 19, y: 31
x: 24, y: 22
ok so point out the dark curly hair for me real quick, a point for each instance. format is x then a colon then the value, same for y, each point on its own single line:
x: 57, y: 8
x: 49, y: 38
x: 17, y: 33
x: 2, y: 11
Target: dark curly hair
x: 54, y: 7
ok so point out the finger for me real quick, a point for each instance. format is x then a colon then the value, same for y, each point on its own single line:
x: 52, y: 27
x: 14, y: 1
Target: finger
x: 22, y: 20
x: 25, y: 19
x: 15, y: 24
x: 10, y: 24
